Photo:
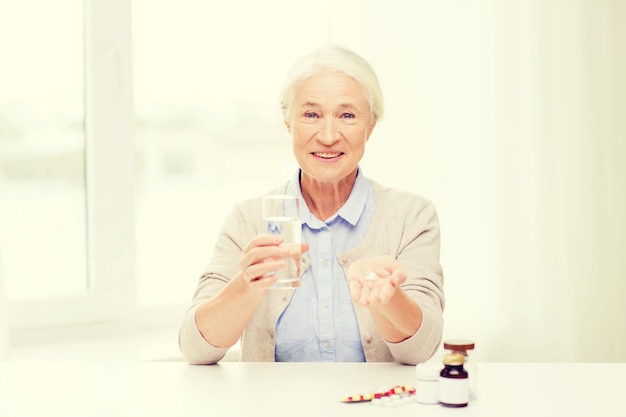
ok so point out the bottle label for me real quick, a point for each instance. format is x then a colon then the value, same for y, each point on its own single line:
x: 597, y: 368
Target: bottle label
x: 453, y: 391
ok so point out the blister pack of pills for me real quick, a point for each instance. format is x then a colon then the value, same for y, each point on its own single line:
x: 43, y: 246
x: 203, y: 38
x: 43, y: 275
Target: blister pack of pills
x: 394, y: 396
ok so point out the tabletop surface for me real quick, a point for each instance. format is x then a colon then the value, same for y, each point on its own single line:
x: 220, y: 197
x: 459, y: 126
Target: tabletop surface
x: 296, y: 389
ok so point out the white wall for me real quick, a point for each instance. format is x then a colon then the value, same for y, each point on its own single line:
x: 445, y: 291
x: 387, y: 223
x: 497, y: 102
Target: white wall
x: 511, y: 117
x: 4, y: 321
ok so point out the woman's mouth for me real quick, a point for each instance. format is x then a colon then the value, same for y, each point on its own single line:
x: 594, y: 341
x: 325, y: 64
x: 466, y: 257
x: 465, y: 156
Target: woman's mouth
x: 327, y: 155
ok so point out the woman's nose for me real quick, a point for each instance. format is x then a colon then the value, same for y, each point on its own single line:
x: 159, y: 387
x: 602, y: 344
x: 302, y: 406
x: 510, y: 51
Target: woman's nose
x: 329, y: 132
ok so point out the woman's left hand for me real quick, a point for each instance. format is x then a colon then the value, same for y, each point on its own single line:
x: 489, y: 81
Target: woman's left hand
x: 375, y: 280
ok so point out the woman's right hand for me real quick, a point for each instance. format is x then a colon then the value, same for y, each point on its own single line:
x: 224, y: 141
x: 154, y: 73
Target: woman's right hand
x: 262, y: 255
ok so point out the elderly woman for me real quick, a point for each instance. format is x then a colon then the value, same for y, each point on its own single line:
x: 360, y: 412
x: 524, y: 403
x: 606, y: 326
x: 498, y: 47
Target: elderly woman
x: 352, y: 226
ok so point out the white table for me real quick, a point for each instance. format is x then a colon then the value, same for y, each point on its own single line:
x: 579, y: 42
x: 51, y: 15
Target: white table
x: 176, y: 389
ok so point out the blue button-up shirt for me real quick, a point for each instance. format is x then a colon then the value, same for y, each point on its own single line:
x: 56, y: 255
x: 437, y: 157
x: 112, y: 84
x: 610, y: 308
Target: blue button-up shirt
x: 319, y: 324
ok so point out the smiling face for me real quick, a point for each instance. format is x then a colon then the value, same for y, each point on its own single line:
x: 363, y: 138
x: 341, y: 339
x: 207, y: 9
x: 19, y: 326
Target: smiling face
x: 330, y: 121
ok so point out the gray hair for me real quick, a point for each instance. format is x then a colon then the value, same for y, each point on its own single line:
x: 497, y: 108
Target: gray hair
x: 339, y: 59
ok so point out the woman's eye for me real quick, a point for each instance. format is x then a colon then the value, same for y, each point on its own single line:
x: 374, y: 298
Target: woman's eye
x: 347, y: 116
x: 310, y: 115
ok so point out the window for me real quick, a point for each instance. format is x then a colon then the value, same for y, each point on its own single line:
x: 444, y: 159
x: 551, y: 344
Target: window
x: 42, y: 198
x: 64, y: 212
x: 122, y: 152
x: 42, y: 143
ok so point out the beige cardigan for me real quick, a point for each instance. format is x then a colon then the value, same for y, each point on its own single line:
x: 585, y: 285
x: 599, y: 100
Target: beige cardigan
x: 404, y: 226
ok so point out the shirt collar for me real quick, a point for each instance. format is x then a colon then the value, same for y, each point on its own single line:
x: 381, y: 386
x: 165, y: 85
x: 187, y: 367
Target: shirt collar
x: 351, y: 210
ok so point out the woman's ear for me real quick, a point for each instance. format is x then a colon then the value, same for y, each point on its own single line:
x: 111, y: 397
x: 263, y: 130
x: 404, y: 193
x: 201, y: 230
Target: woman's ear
x: 371, y: 129
x: 288, y: 126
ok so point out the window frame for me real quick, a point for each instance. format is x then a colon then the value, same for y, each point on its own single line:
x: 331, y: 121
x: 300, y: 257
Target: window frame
x: 109, y: 192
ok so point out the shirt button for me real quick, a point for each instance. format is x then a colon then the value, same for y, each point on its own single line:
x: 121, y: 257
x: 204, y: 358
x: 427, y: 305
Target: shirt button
x: 327, y: 344
x: 325, y: 304
x: 324, y: 264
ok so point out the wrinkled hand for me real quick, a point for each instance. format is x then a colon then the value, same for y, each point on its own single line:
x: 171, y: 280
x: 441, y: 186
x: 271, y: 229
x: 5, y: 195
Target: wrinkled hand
x: 375, y: 280
x: 262, y: 255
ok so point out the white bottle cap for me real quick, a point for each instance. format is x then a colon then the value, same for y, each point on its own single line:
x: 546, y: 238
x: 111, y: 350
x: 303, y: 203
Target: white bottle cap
x: 428, y: 371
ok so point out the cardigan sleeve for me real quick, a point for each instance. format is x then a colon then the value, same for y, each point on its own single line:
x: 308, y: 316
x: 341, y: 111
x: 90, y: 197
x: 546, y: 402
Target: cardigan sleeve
x: 418, y: 253
x: 222, y: 267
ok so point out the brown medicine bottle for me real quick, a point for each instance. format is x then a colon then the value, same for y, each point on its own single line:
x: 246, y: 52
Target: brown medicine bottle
x: 465, y: 347
x: 453, y: 382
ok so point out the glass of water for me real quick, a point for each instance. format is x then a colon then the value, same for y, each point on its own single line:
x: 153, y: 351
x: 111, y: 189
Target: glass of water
x: 281, y: 214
